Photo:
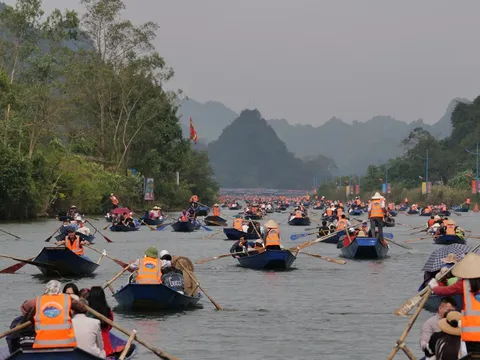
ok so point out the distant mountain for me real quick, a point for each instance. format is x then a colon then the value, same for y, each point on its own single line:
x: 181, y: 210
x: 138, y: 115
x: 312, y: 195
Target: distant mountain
x: 260, y: 159
x: 209, y: 118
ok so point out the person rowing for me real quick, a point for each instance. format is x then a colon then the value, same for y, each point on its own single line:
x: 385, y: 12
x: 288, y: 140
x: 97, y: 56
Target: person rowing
x: 73, y: 242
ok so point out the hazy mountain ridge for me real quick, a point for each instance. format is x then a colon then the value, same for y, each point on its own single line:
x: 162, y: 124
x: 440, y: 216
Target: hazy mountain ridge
x: 352, y: 146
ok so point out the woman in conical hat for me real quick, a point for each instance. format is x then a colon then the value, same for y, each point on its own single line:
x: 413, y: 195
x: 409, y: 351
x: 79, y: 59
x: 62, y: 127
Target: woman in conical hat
x: 272, y: 235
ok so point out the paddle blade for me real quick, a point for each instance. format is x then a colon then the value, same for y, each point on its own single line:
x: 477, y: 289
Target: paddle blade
x: 49, y: 238
x: 298, y: 236
x: 388, y: 235
x: 106, y: 238
x: 206, y: 228
x: 12, y: 269
x: 163, y: 227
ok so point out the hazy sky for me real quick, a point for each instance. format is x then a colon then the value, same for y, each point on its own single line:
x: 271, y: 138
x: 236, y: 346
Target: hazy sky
x: 309, y: 60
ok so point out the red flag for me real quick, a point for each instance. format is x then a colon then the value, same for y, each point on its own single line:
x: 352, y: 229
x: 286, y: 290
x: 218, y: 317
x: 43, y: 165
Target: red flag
x: 193, y: 133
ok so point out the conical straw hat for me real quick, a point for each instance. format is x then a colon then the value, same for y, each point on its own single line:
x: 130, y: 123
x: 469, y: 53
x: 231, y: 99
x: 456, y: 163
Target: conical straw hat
x: 271, y: 224
x: 377, y: 196
x: 468, y: 267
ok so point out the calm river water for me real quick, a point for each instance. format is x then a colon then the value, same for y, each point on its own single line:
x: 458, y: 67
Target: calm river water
x: 319, y: 310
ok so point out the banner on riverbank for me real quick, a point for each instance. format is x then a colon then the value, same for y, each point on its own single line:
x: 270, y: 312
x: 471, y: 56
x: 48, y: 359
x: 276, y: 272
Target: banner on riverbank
x: 426, y: 188
x: 386, y: 188
x: 149, y: 194
x: 474, y: 187
x: 357, y: 189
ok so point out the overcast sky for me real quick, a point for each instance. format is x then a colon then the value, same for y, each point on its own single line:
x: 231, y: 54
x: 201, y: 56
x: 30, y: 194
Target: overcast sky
x: 309, y: 60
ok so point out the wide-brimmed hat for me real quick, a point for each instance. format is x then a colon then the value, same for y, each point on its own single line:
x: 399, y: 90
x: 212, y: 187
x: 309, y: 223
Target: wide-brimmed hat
x: 450, y: 259
x: 361, y: 233
x: 215, y: 205
x: 152, y: 252
x: 271, y: 224
x: 437, y: 217
x: 259, y: 241
x: 451, y: 323
x: 377, y: 196
x: 451, y: 222
x: 73, y: 207
x: 468, y: 267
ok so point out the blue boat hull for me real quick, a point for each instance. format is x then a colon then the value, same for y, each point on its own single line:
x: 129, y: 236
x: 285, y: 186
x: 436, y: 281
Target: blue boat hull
x: 365, y: 248
x: 460, y: 209
x: 305, y: 221
x: 153, y: 222
x: 306, y: 203
x: 123, y: 228
x: 234, y: 234
x: 253, y: 217
x: 412, y: 212
x: 185, y: 226
x: 64, y: 354
x: 335, y: 238
x: 153, y: 297
x: 448, y: 240
x: 65, y: 263
x: 202, y: 210
x: 269, y: 259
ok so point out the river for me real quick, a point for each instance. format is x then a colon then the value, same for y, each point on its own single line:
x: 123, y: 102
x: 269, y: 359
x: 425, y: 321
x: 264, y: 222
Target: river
x: 318, y: 310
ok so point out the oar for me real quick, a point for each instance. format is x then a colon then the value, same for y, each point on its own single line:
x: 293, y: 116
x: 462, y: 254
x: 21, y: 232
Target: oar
x: 119, y: 262
x: 48, y: 239
x: 15, y: 329
x: 6, y: 232
x: 294, y: 237
x: 212, y: 235
x: 206, y: 228
x: 408, y: 305
x: 109, y: 282
x: 203, y: 261
x: 419, y: 239
x: 192, y: 276
x: 106, y: 227
x: 106, y: 238
x: 164, y: 226
x: 160, y: 353
x: 26, y: 261
x: 402, y: 246
x: 149, y: 226
x: 336, y: 261
x: 456, y: 213
x: 124, y: 353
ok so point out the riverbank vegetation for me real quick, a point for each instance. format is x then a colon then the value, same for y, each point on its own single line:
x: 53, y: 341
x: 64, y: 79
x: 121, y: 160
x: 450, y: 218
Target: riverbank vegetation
x: 83, y: 100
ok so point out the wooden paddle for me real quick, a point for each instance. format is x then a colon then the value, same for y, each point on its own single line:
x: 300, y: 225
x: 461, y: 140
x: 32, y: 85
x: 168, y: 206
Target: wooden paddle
x: 6, y: 232
x: 48, y: 239
x: 419, y: 239
x: 160, y: 353
x: 203, y: 261
x: 211, y: 235
x: 14, y: 268
x: 336, y: 261
x: 149, y: 226
x: 106, y: 238
x: 15, y: 329
x: 109, y: 282
x: 193, y: 277
x: 26, y: 261
x: 408, y: 305
x: 119, y: 262
x: 106, y: 227
x: 124, y: 353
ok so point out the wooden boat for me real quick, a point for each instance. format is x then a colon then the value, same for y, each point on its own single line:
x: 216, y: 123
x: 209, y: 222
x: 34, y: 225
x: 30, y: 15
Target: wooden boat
x: 365, y: 248
x: 444, y: 213
x: 64, y: 263
x: 202, y: 210
x: 123, y: 228
x: 153, y: 297
x: 460, y: 209
x: 412, y: 212
x: 234, y: 206
x: 185, y: 226
x: 303, y: 221
x: 234, y: 234
x: 65, y: 354
x: 281, y: 208
x: 335, y: 238
x: 403, y: 208
x: 433, y: 302
x: 152, y: 222
x: 88, y: 238
x: 268, y: 259
x: 448, y: 240
x: 215, y: 221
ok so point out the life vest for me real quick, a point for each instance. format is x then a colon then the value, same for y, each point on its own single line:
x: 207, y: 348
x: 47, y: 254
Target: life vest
x: 430, y: 222
x: 467, y: 201
x: 237, y: 224
x: 53, y: 324
x: 114, y: 200
x: 76, y: 247
x: 216, y: 211
x: 406, y: 200
x: 272, y: 238
x: 376, y: 210
x: 471, y: 315
x: 184, y: 218
x: 298, y: 214
x: 329, y: 212
x: 341, y: 224
x: 450, y: 229
x: 149, y: 271
x: 444, y: 208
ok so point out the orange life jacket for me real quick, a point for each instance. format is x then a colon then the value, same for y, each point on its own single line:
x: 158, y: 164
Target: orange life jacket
x: 444, y: 207
x: 114, y: 200
x: 406, y: 200
x: 450, y: 229
x: 149, y: 271
x: 430, y: 222
x: 341, y: 224
x: 216, y: 211
x: 471, y: 315
x: 75, y: 247
x: 53, y: 323
x: 298, y: 214
x: 272, y: 238
x: 184, y: 218
x: 237, y: 224
x: 376, y: 210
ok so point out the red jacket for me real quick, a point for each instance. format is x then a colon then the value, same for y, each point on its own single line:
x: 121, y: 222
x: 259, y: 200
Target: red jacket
x: 455, y: 289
